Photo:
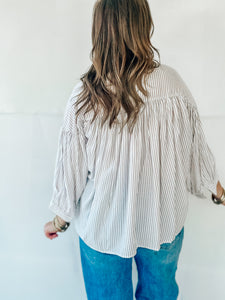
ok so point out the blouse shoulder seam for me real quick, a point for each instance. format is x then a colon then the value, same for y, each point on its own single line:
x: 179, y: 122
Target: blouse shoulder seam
x: 164, y: 98
x: 72, y: 132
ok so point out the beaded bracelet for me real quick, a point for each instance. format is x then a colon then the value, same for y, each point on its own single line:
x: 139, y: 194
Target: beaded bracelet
x: 58, y: 226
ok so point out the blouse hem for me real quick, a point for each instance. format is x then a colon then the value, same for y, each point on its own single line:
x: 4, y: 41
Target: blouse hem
x: 107, y: 251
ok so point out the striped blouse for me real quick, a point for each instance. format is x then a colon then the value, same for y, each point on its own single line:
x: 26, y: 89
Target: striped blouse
x: 127, y: 190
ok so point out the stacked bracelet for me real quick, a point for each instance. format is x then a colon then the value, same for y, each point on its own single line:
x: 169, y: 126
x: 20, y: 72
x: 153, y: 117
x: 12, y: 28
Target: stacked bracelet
x: 220, y: 200
x: 58, y: 226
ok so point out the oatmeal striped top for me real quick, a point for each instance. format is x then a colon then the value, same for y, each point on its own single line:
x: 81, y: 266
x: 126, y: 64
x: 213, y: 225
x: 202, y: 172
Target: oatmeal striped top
x: 126, y: 190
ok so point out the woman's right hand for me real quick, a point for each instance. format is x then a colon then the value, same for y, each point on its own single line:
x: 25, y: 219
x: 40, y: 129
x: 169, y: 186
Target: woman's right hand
x: 50, y: 231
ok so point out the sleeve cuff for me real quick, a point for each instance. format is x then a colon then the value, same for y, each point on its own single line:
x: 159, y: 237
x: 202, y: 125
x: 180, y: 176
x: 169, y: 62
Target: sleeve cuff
x: 60, y: 213
x: 213, y: 186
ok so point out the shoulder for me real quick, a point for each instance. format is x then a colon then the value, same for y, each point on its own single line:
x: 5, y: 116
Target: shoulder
x: 72, y: 99
x: 175, y: 83
x: 172, y: 75
x: 167, y: 70
x: 69, y: 118
x: 75, y: 91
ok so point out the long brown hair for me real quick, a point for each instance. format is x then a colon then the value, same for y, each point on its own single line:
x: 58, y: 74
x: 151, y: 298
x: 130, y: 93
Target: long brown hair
x: 122, y: 54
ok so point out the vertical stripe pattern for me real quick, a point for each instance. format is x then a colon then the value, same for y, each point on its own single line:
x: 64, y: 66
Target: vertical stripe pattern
x: 127, y: 190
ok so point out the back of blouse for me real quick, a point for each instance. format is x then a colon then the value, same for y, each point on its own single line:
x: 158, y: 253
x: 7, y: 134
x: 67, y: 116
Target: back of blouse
x: 124, y: 190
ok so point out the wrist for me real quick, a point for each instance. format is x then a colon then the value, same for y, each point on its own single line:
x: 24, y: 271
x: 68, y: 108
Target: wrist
x: 60, y: 220
x: 54, y: 226
x: 219, y: 190
x: 219, y: 200
x: 60, y: 227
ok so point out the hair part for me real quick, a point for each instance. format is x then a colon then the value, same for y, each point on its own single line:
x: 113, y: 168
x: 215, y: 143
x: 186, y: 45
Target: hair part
x: 122, y: 56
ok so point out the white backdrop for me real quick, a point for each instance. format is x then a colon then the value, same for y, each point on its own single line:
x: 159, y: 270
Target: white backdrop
x: 45, y: 47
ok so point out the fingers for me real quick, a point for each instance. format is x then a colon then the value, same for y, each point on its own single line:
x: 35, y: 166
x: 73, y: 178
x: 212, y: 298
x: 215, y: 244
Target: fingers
x: 51, y: 235
x: 49, y: 231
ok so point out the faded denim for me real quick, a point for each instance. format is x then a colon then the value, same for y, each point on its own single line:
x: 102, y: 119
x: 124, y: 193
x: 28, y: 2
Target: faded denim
x: 109, y: 276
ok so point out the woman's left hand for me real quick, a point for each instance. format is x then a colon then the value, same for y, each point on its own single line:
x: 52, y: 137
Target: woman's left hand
x: 50, y: 230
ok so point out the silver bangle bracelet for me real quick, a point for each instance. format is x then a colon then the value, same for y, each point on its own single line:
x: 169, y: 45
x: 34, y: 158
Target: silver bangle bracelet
x: 60, y: 227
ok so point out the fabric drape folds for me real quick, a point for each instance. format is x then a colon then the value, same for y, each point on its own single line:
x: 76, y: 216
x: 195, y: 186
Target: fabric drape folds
x: 71, y: 171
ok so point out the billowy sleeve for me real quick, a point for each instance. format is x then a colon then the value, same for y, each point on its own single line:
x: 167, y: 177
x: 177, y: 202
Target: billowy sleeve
x: 71, y: 169
x: 203, y: 173
x: 203, y: 168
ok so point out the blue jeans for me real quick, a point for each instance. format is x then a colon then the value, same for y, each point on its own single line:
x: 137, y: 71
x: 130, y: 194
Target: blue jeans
x: 109, y: 276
